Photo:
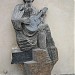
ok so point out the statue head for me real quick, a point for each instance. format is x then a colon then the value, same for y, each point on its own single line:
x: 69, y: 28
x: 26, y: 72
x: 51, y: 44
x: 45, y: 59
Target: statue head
x: 28, y: 4
x: 28, y: 1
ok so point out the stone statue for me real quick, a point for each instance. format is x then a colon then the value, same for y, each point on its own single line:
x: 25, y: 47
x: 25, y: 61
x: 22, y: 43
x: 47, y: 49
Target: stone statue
x: 31, y: 31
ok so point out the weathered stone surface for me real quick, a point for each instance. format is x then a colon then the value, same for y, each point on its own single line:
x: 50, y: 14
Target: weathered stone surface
x: 40, y: 55
x: 19, y: 57
x: 41, y: 64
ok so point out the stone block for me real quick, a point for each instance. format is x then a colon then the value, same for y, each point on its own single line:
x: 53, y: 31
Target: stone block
x: 41, y: 64
x: 40, y: 55
x: 19, y: 57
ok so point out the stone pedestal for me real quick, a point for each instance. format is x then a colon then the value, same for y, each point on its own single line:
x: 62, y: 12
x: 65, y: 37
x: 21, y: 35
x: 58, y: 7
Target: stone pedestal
x: 40, y: 65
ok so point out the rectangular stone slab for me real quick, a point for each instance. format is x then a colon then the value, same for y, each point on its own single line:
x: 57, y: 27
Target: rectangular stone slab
x: 21, y: 57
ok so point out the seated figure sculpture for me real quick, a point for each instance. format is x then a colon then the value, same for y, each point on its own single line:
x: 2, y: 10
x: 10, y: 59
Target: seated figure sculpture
x: 31, y: 31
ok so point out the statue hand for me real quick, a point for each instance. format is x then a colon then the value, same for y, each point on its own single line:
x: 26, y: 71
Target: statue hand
x: 25, y: 20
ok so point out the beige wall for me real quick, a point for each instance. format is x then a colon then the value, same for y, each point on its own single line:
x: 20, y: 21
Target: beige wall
x: 60, y: 20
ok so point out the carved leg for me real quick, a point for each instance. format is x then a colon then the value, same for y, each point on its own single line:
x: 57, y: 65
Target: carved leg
x: 42, y: 40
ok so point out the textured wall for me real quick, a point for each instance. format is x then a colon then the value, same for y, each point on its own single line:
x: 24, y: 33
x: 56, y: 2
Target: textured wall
x: 60, y: 19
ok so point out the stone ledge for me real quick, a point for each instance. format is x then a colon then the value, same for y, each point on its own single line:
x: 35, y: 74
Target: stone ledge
x: 19, y: 57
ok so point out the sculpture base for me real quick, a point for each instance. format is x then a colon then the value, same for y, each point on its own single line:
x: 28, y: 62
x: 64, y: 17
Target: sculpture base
x: 41, y: 64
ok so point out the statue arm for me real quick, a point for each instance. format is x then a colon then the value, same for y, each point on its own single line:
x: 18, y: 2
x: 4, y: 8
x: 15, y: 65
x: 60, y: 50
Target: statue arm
x: 17, y: 17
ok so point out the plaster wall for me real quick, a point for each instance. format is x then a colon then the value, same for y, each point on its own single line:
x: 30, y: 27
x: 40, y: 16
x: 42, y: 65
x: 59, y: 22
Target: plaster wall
x: 59, y: 18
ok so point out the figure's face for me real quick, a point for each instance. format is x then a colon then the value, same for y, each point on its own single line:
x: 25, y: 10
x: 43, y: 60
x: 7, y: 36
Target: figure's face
x: 28, y: 7
x: 28, y: 2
